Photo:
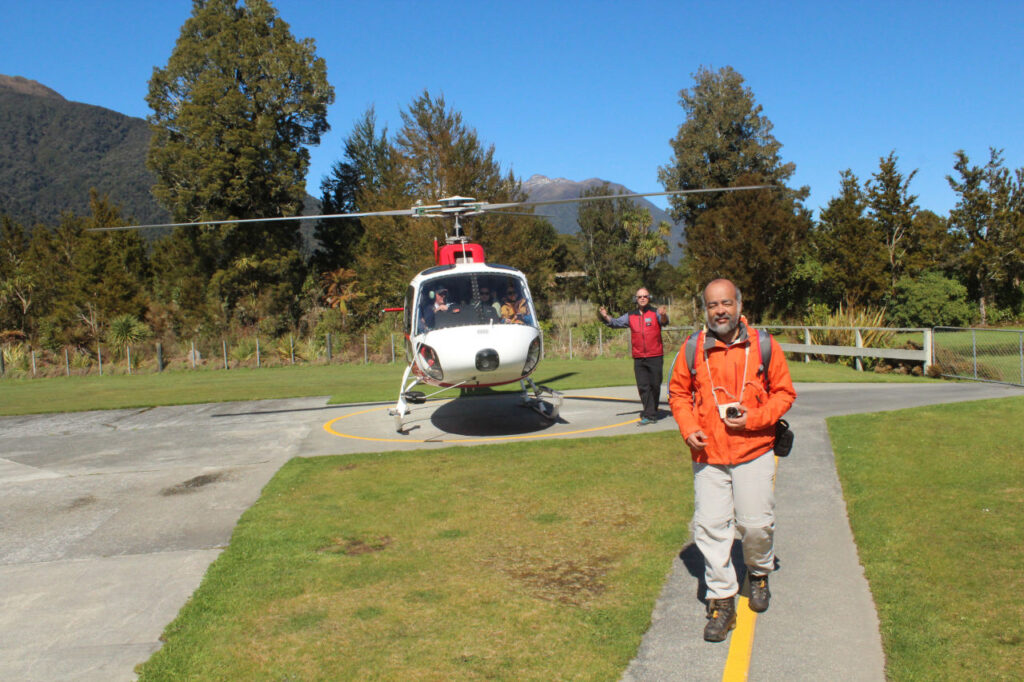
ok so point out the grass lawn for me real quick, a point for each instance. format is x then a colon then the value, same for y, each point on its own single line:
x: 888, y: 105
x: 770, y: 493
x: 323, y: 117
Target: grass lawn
x: 488, y: 562
x: 936, y: 502
x: 345, y: 383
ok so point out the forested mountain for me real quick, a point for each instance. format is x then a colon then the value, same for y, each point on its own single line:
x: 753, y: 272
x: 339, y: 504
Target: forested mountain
x: 52, y: 152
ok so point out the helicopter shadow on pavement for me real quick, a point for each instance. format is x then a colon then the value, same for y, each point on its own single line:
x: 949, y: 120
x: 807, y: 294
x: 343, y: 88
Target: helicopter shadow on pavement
x: 494, y: 414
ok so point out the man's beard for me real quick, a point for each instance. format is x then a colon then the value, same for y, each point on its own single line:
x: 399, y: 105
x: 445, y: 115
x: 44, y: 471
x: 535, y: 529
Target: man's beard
x: 724, y: 328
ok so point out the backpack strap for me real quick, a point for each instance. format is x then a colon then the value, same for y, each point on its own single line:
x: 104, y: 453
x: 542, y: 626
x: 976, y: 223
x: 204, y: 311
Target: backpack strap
x: 690, y: 349
x: 764, y: 343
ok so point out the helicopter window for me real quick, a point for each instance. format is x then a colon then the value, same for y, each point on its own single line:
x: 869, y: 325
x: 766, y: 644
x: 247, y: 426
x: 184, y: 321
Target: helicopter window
x: 472, y: 299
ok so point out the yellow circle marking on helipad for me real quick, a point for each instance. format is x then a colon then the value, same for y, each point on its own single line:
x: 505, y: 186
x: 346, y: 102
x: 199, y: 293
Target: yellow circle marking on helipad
x: 329, y: 428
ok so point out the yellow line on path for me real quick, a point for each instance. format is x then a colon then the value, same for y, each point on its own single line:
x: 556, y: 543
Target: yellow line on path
x: 741, y: 644
x: 737, y: 665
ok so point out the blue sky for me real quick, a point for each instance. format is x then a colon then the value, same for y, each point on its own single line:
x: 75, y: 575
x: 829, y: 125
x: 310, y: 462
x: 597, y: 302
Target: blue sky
x: 591, y: 89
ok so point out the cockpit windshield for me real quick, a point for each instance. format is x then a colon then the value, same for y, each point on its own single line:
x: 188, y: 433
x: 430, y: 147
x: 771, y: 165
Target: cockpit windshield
x: 473, y: 298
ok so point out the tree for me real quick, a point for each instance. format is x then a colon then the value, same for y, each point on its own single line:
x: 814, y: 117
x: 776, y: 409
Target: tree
x: 756, y: 241
x: 619, y: 245
x: 726, y: 141
x: 850, y: 248
x: 989, y: 216
x: 436, y: 155
x: 723, y: 137
x: 893, y: 209
x: 233, y: 109
x: 350, y: 188
x: 17, y: 283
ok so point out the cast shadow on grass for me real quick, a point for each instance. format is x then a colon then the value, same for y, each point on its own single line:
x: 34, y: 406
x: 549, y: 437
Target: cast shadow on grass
x: 693, y: 559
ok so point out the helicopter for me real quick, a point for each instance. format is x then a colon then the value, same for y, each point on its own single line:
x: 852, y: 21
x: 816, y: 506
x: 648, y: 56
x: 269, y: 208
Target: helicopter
x: 468, y: 323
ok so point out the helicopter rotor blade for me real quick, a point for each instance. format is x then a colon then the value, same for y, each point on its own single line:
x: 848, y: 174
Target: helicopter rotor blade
x: 492, y: 207
x: 469, y: 207
x: 200, y: 223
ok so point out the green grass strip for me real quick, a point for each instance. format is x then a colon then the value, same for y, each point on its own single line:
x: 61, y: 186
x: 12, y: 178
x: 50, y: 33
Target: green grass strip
x: 520, y: 561
x: 936, y: 502
x: 345, y: 383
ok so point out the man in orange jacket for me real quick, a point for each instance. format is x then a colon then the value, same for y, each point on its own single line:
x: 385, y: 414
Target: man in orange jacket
x: 726, y: 409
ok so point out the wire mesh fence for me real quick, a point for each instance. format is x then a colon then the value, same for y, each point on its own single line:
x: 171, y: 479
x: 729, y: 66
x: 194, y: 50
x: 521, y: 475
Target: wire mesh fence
x: 995, y: 355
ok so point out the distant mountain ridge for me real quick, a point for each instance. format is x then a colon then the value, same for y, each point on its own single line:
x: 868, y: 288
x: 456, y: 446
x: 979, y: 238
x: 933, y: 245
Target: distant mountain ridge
x: 563, y: 216
x: 52, y: 151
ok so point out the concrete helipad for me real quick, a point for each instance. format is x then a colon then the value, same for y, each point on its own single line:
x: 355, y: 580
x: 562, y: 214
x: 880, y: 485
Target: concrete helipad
x: 110, y: 519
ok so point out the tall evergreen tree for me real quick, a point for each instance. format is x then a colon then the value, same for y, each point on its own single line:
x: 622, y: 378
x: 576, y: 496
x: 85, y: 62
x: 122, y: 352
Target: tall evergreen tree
x: 350, y: 188
x: 989, y: 216
x: 726, y: 141
x: 233, y: 109
x: 850, y: 248
x: 893, y: 208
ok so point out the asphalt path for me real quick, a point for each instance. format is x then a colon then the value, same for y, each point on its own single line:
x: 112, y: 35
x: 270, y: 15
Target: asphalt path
x: 108, y: 521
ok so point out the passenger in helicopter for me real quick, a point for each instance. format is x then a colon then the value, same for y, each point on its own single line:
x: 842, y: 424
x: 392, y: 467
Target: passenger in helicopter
x: 491, y: 308
x: 445, y: 309
x: 513, y: 307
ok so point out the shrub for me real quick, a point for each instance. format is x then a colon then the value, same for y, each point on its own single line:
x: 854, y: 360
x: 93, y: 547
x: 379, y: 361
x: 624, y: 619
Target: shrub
x: 931, y: 300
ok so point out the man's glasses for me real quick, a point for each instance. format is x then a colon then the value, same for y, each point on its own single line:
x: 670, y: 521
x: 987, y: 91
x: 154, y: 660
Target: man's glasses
x: 642, y: 296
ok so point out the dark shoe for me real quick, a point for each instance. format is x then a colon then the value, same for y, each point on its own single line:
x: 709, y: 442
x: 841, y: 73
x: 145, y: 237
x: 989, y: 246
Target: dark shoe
x: 721, y: 619
x: 759, y: 594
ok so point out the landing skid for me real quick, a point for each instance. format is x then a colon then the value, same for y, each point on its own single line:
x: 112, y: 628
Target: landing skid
x: 545, y: 401
x: 407, y: 396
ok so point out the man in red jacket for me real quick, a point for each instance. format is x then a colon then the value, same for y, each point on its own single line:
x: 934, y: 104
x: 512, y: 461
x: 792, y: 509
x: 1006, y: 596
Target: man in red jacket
x: 726, y: 409
x: 648, y: 353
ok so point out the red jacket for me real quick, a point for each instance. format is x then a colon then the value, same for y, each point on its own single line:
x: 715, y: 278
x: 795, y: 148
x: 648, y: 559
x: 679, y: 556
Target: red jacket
x: 694, y: 408
x: 644, y: 331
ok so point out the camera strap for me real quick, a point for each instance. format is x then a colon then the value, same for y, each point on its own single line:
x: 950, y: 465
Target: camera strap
x: 743, y: 377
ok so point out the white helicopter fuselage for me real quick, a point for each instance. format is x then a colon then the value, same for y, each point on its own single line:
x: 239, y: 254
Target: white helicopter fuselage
x: 456, y: 336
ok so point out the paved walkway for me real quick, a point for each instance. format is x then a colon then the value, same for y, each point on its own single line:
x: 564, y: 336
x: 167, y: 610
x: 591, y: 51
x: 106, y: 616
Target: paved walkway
x: 110, y: 519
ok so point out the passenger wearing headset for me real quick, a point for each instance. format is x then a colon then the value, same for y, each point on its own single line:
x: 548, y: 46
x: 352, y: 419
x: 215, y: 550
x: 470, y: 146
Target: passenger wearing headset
x: 645, y: 325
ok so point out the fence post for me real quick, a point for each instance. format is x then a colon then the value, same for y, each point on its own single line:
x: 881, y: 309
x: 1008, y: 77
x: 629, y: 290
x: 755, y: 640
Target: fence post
x: 192, y: 355
x: 3, y: 368
x: 128, y: 355
x: 974, y: 351
x: 365, y: 356
x: 99, y: 356
x: 807, y: 342
x: 67, y: 362
x: 33, y: 363
x: 291, y: 345
x: 927, y: 350
x: 570, y: 343
x: 258, y: 361
x: 328, y: 346
x: 600, y: 341
x: 859, y: 342
x: 159, y: 357
x: 224, y: 349
x: 392, y: 349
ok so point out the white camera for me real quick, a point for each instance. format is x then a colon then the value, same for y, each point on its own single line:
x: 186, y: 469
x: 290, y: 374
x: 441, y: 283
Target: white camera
x: 729, y: 411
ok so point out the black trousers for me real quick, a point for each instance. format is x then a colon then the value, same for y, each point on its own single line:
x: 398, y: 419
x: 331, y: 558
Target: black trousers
x: 648, y: 384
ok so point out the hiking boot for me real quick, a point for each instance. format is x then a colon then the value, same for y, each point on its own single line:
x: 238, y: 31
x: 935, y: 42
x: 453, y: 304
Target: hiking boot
x: 759, y: 594
x: 721, y: 618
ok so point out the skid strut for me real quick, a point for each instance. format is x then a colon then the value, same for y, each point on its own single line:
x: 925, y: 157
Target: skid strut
x: 545, y: 401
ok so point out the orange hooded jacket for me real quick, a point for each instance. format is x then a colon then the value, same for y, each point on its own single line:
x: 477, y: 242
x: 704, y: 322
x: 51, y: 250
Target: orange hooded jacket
x: 694, y: 408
